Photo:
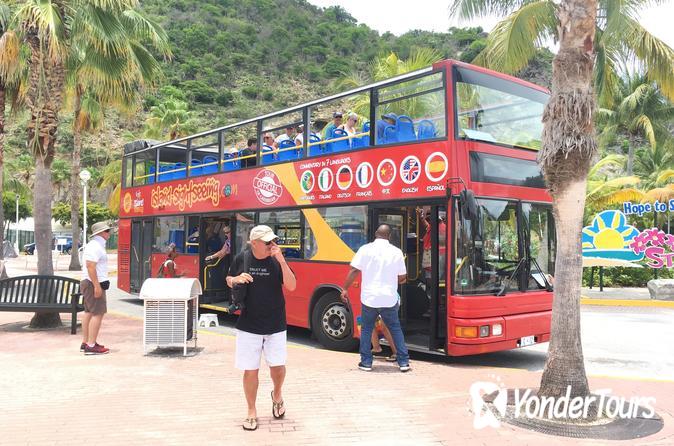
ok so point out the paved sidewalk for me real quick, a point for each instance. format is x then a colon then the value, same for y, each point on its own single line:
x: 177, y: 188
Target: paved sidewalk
x: 52, y: 394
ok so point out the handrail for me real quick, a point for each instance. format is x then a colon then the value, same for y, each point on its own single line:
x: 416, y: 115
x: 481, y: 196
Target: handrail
x: 275, y: 151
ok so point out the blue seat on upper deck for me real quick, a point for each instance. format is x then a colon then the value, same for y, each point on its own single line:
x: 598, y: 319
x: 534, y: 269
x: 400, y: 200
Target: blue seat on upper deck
x: 287, y: 152
x: 390, y: 134
x: 231, y: 161
x: 362, y: 141
x: 179, y: 171
x: 269, y: 154
x: 210, y: 165
x: 342, y: 144
x: 195, y: 167
x: 426, y: 130
x: 405, y: 129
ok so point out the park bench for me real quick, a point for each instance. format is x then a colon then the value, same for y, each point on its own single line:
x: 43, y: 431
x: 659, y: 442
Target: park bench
x: 42, y: 293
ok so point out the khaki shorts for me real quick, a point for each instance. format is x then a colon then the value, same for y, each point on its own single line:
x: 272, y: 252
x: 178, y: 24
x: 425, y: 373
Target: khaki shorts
x: 251, y: 346
x: 93, y: 305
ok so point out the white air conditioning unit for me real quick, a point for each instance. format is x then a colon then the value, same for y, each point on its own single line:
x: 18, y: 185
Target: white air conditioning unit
x: 170, y: 313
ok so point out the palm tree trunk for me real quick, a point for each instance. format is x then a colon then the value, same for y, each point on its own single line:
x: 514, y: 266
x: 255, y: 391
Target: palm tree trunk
x: 43, y: 236
x: 75, y: 186
x: 630, y: 159
x: 569, y: 146
x: 44, y: 100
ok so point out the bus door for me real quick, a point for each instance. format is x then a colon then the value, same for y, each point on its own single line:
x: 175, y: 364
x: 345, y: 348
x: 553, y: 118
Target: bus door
x: 435, y: 272
x: 396, y: 218
x: 140, y: 263
x: 215, y: 233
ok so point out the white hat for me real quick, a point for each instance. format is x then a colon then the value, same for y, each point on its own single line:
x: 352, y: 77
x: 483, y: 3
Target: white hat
x: 262, y: 232
x: 99, y: 227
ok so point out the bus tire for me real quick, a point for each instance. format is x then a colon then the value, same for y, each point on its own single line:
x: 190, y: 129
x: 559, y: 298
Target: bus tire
x: 332, y: 323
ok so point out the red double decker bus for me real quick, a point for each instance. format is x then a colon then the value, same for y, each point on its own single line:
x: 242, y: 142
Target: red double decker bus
x: 445, y: 155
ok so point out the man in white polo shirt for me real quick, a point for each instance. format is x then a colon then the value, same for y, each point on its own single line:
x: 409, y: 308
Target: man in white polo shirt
x: 383, y: 268
x: 93, y: 286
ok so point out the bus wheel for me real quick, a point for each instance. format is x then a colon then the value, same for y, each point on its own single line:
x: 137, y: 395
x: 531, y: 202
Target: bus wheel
x: 332, y: 323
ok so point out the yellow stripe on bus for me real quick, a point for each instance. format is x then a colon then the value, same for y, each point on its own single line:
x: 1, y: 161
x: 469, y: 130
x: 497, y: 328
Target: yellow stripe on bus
x: 330, y: 246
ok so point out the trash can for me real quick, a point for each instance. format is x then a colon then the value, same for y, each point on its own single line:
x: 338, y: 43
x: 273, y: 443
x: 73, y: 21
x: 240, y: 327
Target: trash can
x: 170, y: 312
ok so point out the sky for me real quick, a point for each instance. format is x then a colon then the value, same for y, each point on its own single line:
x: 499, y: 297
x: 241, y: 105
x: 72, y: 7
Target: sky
x: 398, y: 16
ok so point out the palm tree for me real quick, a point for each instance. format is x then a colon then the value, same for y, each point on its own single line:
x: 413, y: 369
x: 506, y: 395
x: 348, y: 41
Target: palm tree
x: 171, y: 116
x: 610, y: 188
x: 9, y: 66
x: 54, y: 31
x: 108, y: 75
x: 639, y: 111
x: 569, y: 146
x: 60, y: 171
x: 529, y: 24
x: 112, y: 178
x: 386, y: 67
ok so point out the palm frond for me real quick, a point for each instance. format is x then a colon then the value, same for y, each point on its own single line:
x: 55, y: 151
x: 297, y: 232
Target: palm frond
x: 469, y: 9
x: 44, y: 19
x: 662, y: 194
x: 616, y: 197
x: 665, y: 176
x: 145, y: 30
x: 643, y: 123
x: 609, y: 160
x: 10, y: 49
x: 513, y: 41
x: 656, y: 55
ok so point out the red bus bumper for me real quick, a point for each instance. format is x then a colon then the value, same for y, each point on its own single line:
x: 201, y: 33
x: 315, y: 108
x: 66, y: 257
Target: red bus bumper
x: 514, y: 327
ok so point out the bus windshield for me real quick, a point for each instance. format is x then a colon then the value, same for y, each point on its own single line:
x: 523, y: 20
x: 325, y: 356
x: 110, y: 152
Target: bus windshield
x: 495, y: 250
x: 498, y: 111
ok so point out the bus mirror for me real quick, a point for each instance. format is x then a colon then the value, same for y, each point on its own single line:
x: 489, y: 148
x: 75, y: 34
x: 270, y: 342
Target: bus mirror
x: 468, y: 203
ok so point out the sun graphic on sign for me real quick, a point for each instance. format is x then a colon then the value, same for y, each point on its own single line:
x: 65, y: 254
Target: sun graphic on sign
x: 609, y: 237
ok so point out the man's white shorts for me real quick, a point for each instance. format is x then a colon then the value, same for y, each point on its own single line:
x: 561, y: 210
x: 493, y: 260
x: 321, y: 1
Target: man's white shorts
x: 249, y: 348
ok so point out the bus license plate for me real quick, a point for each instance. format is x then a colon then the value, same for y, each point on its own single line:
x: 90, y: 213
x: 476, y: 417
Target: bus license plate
x: 527, y: 340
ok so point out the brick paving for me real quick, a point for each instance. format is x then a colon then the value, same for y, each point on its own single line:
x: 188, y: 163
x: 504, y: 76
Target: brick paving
x: 52, y: 394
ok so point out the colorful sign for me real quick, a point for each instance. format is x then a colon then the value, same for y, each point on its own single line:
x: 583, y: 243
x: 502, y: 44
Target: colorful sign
x: 654, y: 244
x: 609, y: 237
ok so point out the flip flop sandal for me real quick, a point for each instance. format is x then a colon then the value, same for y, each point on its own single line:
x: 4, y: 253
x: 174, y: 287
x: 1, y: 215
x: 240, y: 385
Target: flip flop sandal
x: 277, y: 409
x: 391, y: 358
x: 249, y: 424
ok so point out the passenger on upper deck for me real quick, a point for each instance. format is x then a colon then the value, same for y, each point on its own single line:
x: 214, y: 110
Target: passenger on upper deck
x: 387, y: 119
x: 289, y: 134
x: 251, y: 149
x: 268, y: 139
x: 350, y: 125
x: 299, y: 139
x: 336, y: 123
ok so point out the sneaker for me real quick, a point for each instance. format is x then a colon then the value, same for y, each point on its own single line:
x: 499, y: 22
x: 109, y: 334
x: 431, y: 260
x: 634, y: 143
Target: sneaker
x: 84, y: 345
x: 96, y: 350
x: 405, y: 368
x: 363, y: 367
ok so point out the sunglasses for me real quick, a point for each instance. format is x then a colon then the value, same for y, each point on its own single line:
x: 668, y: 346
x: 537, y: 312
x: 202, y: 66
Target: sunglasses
x: 269, y: 242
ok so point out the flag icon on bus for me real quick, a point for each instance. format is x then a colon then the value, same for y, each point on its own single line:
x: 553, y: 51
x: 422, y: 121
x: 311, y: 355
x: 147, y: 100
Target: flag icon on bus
x: 344, y: 177
x: 436, y: 166
x: 307, y: 182
x: 410, y: 169
x: 325, y: 179
x: 386, y: 172
x: 364, y: 175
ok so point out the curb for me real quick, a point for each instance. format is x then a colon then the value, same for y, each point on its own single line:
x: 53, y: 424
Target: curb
x: 626, y: 302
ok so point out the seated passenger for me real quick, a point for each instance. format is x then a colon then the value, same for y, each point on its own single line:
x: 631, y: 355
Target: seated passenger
x: 251, y: 149
x: 268, y: 139
x: 350, y: 125
x: 386, y: 120
x: 335, y: 124
x: 299, y: 139
x: 288, y: 135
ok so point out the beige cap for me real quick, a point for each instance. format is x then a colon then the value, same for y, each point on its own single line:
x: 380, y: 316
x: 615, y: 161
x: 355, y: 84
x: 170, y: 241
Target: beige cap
x: 262, y: 232
x: 99, y: 227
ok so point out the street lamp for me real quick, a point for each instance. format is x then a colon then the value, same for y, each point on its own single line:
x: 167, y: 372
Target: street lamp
x: 85, y: 176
